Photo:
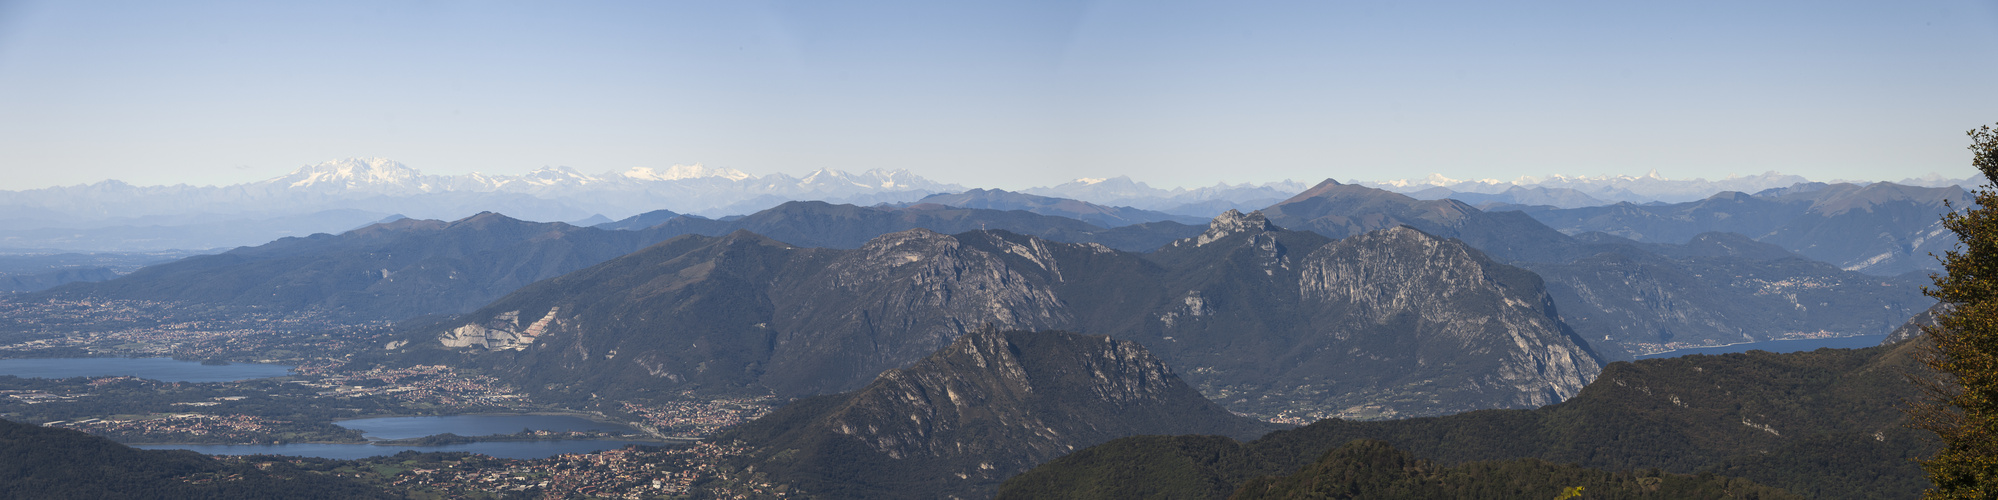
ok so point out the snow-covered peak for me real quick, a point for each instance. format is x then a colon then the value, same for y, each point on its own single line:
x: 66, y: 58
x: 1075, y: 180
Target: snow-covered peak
x: 552, y: 176
x: 351, y: 173
x: 678, y: 172
x: 895, y: 179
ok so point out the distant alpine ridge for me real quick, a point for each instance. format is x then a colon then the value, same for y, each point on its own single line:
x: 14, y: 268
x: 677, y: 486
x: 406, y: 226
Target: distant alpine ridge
x: 338, y: 195
x: 549, y: 193
x: 1582, y: 191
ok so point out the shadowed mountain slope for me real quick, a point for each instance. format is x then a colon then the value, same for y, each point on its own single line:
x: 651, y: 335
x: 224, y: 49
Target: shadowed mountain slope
x: 384, y: 271
x: 820, y: 224
x: 1092, y: 213
x: 1375, y: 470
x: 989, y: 405
x: 1341, y: 210
x: 1821, y: 424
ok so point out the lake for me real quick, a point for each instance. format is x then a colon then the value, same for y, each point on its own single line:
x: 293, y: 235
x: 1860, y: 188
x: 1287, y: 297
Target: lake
x: 509, y: 449
x: 161, y: 369
x: 1778, y: 346
x: 473, y: 425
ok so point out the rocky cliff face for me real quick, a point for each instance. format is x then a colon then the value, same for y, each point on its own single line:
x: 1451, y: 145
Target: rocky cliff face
x: 1494, y: 322
x: 989, y: 405
x: 898, y: 298
x: 1391, y: 323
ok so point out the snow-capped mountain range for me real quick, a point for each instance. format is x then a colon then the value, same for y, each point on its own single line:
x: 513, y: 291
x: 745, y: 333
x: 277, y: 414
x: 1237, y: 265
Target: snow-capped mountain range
x: 1603, y: 190
x: 717, y: 187
x: 386, y: 186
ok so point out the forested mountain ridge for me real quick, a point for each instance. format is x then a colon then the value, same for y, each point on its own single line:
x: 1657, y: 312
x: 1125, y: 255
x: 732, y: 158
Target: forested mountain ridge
x: 1821, y: 424
x: 408, y: 268
x: 392, y: 270
x: 821, y: 224
x: 1629, y: 297
x: 741, y: 313
x: 1374, y: 470
x: 1707, y: 291
x: 1881, y: 228
x: 991, y: 404
x: 1104, y: 216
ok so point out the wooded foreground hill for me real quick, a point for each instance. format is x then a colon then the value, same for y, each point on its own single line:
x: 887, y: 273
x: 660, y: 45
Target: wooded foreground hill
x: 1823, y: 424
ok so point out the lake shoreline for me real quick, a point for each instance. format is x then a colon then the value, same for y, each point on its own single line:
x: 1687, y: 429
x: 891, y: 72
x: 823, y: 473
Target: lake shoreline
x: 1779, y: 346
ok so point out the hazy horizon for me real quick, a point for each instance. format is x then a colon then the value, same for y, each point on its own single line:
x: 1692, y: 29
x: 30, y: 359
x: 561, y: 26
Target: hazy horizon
x: 1135, y: 177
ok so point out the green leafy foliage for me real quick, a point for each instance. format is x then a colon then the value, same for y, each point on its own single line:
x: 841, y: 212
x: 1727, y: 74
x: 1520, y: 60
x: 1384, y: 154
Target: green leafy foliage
x: 1962, y: 403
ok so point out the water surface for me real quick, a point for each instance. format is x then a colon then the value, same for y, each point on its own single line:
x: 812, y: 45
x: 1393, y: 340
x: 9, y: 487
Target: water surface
x: 1779, y: 346
x: 473, y: 425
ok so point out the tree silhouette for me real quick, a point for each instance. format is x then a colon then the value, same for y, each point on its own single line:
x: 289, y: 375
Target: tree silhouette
x: 1962, y: 396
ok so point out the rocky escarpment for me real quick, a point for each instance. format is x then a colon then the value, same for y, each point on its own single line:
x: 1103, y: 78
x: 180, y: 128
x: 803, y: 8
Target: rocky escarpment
x: 989, y: 405
x: 898, y: 298
x: 1492, y: 324
x: 1386, y: 324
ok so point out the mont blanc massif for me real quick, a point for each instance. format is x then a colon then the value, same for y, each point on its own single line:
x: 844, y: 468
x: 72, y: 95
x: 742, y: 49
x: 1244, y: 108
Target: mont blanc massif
x: 358, y: 329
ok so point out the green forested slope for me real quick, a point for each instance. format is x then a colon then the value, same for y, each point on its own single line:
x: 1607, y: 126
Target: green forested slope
x: 1375, y: 470
x: 1823, y: 424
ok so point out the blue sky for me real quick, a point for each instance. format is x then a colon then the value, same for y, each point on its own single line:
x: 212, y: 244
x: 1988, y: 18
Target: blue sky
x: 996, y: 94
